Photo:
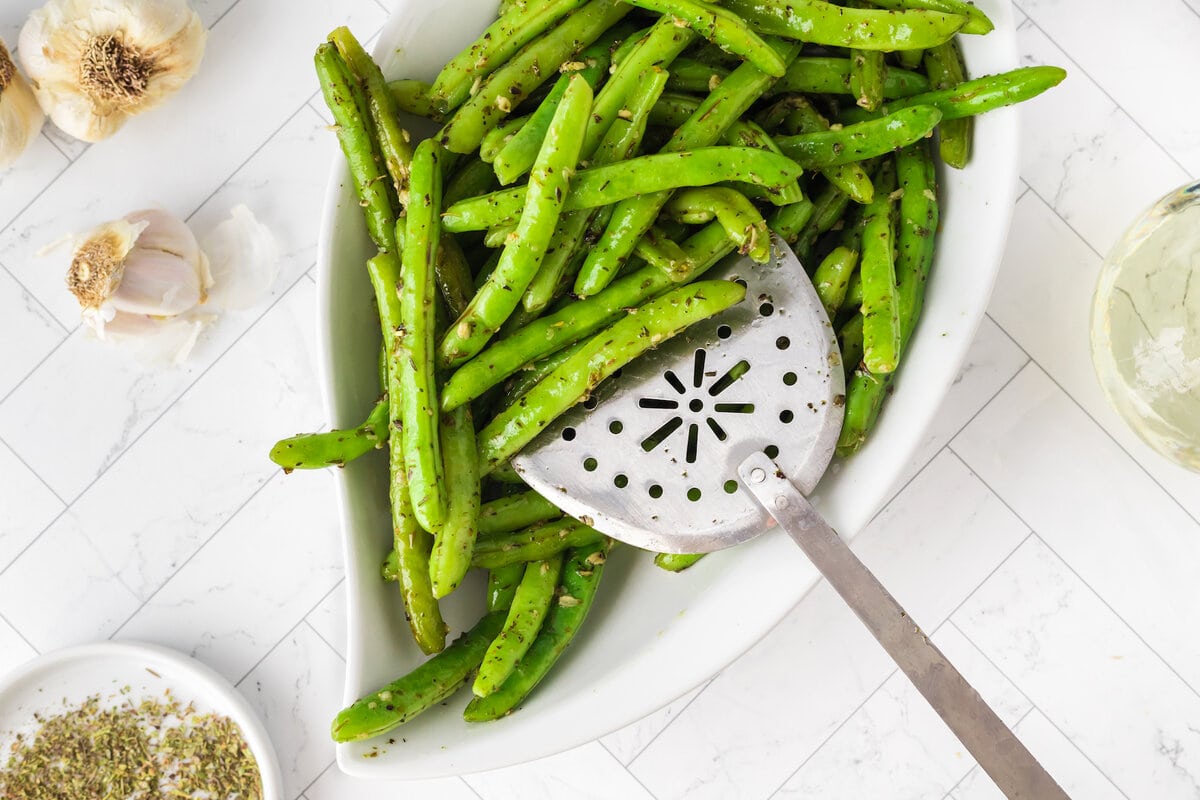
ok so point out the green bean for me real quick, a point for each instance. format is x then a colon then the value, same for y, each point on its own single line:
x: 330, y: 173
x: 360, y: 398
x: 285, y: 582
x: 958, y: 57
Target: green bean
x: 348, y: 104
x: 976, y: 96
x: 517, y: 156
x: 580, y: 577
x: 412, y: 544
x: 333, y: 448
x: 621, y: 140
x: 742, y: 222
x: 862, y: 140
x: 867, y: 71
x: 423, y: 688
x: 835, y: 26
x: 452, y: 546
x: 529, y: 606
x: 676, y: 562
x: 534, y: 543
x: 910, y: 59
x: 412, y: 97
x: 495, y: 139
x: 453, y: 275
x: 851, y: 338
x: 633, y: 217
x: 389, y: 570
x: 658, y: 250
x: 833, y: 276
x: 600, y: 186
x: 689, y: 75
x: 418, y: 385
x: 548, y: 185
x: 640, y: 330
x: 918, y: 221
x: 499, y: 236
x: 746, y: 133
x: 977, y: 21
x: 880, y: 307
x: 547, y: 285
x: 824, y: 75
x: 506, y: 474
x: 472, y: 179
x: 392, y: 139
x: 789, y: 221
x: 502, y: 586
x: 525, y: 71
x: 674, y: 110
x: 854, y: 294
x: 945, y: 68
x: 495, y: 45
x: 550, y: 333
x: 829, y: 207
x: 797, y: 115
x: 530, y: 374
x: 514, y: 512
x: 724, y: 29
x: 656, y: 49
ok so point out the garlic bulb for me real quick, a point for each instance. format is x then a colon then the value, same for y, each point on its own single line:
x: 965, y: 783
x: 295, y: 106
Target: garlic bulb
x: 95, y: 63
x: 145, y: 279
x: 20, y: 115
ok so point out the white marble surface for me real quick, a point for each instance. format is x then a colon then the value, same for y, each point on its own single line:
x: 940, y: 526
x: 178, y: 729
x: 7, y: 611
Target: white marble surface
x: 1050, y: 553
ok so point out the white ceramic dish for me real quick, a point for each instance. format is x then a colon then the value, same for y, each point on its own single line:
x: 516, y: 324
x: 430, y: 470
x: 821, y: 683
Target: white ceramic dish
x: 63, y: 679
x: 652, y: 636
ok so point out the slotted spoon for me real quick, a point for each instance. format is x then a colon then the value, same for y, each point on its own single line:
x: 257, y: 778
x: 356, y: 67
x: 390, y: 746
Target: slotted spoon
x: 717, y: 436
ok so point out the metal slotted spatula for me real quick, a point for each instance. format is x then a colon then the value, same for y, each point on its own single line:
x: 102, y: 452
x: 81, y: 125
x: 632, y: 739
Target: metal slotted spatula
x: 718, y: 435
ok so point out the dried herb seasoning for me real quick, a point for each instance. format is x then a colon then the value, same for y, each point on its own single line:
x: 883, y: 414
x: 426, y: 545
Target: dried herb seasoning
x: 156, y: 749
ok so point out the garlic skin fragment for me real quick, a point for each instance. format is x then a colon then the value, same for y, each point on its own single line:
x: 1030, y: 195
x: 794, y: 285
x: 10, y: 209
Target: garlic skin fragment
x: 244, y: 260
x: 21, y: 117
x: 93, y: 64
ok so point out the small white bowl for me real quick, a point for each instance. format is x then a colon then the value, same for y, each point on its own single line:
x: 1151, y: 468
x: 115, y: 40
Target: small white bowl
x: 64, y: 679
x: 652, y: 636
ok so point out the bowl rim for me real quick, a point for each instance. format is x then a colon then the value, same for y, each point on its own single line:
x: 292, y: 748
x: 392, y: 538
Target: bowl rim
x: 219, y: 692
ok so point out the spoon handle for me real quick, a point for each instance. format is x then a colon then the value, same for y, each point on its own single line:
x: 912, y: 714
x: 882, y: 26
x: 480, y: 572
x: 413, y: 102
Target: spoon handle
x: 997, y: 750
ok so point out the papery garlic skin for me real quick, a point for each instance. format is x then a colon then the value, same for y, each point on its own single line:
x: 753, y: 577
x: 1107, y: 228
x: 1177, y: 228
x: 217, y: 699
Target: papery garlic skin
x: 146, y: 264
x: 21, y: 117
x: 93, y: 64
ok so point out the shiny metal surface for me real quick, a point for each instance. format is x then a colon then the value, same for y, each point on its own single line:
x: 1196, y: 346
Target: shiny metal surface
x: 651, y: 459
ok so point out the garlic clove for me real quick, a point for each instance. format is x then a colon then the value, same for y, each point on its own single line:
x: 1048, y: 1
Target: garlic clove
x: 21, y: 117
x: 157, y: 283
x: 95, y: 63
x: 244, y: 260
x: 99, y: 262
x: 167, y: 233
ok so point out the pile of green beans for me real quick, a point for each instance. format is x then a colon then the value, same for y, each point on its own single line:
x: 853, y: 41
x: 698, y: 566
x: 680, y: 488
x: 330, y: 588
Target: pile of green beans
x: 596, y: 158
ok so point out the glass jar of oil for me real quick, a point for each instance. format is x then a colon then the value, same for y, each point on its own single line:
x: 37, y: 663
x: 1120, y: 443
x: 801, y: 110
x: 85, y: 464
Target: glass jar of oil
x: 1146, y: 326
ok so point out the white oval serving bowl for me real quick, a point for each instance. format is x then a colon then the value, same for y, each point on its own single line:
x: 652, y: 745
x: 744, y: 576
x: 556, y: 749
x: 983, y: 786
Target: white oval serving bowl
x: 63, y: 679
x: 652, y: 636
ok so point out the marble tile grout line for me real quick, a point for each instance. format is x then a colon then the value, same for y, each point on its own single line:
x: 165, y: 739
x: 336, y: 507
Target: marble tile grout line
x: 1089, y: 415
x: 17, y: 556
x: 625, y: 767
x: 33, y: 472
x: 846, y: 720
x: 321, y: 636
x: 35, y: 299
x: 950, y: 792
x: 291, y: 630
x: 1033, y: 21
x: 270, y: 137
x: 224, y: 13
x: 1137, y: 635
x: 17, y: 631
x: 684, y: 707
x: 195, y: 553
x: 1034, y: 706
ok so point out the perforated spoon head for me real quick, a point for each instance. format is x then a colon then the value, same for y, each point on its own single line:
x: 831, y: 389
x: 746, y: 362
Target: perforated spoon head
x: 651, y: 457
